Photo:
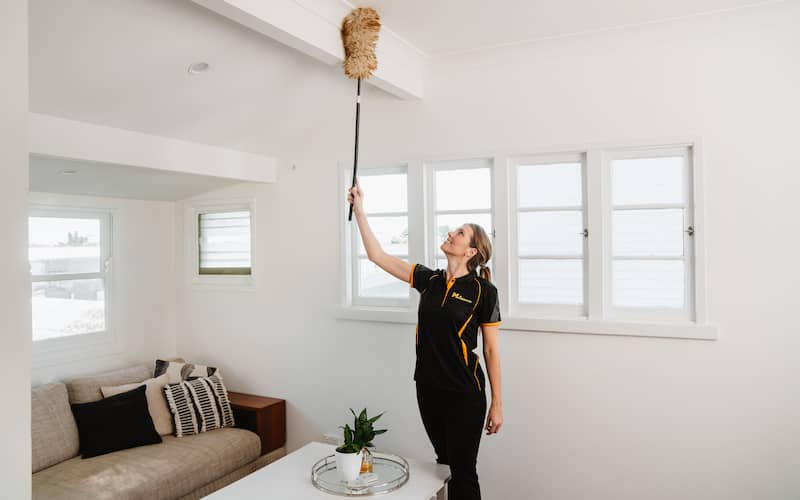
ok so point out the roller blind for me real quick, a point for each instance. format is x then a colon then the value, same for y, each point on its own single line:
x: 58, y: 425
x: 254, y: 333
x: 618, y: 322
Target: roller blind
x: 224, y: 242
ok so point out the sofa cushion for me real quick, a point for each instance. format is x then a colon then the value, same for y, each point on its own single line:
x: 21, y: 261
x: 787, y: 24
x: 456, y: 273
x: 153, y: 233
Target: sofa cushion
x: 54, y: 435
x: 115, y: 423
x: 199, y: 405
x: 87, y: 389
x: 168, y: 470
x: 156, y: 402
x: 178, y: 371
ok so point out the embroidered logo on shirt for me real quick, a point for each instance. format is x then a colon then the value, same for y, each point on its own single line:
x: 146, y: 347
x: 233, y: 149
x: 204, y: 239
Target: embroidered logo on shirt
x: 458, y: 296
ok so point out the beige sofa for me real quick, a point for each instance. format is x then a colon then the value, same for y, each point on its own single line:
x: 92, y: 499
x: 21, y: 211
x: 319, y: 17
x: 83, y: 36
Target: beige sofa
x: 179, y: 468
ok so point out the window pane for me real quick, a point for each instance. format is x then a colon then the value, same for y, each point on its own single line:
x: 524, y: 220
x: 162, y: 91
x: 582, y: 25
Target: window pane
x: 647, y: 180
x: 225, y: 240
x: 391, y: 232
x: 648, y: 233
x: 551, y: 281
x: 551, y: 185
x: 375, y: 282
x: 466, y: 189
x: 62, y: 308
x: 450, y: 222
x: 63, y: 245
x: 384, y: 193
x: 650, y: 283
x: 551, y: 233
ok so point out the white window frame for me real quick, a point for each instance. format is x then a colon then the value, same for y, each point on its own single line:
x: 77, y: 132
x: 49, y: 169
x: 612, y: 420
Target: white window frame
x: 431, y: 210
x: 75, y: 347
x: 517, y: 308
x: 598, y: 320
x: 231, y: 282
x: 351, y: 236
x: 687, y: 313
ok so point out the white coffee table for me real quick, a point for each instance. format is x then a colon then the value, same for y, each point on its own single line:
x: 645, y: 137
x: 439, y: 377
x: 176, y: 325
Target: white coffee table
x: 290, y: 479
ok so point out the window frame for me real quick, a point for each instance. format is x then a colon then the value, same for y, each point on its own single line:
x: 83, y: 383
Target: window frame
x: 51, y: 351
x: 352, y: 236
x: 432, y: 211
x: 231, y: 282
x: 524, y: 309
x: 623, y: 313
x: 596, y: 321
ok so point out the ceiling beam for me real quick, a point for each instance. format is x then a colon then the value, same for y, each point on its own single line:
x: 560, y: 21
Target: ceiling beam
x: 61, y: 138
x: 316, y: 33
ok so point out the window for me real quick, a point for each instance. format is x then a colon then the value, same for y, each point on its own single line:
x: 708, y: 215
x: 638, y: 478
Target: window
x: 633, y: 262
x: 602, y: 240
x: 386, y: 204
x: 461, y: 192
x: 224, y: 242
x: 548, y: 236
x: 220, y: 238
x: 652, y: 228
x: 70, y: 262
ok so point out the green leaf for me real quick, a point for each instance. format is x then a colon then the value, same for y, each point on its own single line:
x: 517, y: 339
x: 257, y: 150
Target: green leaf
x: 362, y: 433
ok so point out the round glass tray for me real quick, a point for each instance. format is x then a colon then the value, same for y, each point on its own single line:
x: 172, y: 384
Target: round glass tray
x: 389, y: 472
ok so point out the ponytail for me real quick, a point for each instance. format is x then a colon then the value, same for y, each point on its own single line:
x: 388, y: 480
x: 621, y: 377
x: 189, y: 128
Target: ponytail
x: 483, y: 244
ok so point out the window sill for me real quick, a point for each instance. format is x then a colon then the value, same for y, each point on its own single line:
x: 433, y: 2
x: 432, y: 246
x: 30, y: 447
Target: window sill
x: 611, y: 327
x: 551, y: 325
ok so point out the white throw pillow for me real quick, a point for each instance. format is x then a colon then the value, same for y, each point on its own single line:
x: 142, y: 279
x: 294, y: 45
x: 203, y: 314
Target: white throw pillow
x: 156, y: 402
x: 199, y: 405
x: 178, y: 371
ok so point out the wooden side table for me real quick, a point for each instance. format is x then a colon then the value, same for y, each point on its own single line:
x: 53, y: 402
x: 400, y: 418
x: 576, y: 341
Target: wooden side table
x: 264, y: 416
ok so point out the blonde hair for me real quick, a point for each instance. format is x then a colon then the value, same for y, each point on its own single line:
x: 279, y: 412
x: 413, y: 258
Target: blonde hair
x: 483, y: 244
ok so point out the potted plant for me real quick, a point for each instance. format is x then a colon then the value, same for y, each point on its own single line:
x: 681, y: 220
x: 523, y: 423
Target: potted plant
x: 357, y: 441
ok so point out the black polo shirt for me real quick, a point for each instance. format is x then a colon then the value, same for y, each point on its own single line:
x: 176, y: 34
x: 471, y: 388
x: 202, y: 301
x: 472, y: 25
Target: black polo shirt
x: 447, y: 328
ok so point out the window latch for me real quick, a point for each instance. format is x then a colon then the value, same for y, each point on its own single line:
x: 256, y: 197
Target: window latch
x: 690, y: 231
x: 585, y: 233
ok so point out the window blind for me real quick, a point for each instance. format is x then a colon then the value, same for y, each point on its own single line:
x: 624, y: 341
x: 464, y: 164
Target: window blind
x: 224, y: 239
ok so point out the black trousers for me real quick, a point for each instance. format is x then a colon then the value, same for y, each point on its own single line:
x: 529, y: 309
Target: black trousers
x: 454, y: 423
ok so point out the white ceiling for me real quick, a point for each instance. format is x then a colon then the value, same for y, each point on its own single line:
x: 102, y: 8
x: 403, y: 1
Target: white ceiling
x: 439, y: 27
x: 122, y: 63
x: 117, y: 181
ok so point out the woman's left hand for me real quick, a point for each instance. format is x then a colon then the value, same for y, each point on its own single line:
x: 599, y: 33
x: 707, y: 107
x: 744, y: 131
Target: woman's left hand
x: 494, y: 420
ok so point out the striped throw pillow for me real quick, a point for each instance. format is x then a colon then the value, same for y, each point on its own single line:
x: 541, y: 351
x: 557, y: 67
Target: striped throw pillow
x: 199, y: 405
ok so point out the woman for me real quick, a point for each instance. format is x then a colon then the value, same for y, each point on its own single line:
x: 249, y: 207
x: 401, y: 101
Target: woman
x: 454, y: 303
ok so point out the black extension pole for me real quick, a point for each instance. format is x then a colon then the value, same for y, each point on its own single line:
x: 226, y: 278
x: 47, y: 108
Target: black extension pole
x: 355, y: 154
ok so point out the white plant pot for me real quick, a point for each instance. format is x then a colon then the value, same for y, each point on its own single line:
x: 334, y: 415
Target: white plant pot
x: 348, y: 465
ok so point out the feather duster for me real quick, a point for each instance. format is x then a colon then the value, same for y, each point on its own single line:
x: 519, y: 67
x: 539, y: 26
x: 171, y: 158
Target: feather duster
x: 359, y: 36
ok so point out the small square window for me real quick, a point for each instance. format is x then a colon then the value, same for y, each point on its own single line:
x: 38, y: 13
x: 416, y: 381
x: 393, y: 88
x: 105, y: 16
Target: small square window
x: 224, y: 244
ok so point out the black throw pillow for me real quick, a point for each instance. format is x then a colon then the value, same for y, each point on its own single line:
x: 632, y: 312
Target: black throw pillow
x: 115, y: 423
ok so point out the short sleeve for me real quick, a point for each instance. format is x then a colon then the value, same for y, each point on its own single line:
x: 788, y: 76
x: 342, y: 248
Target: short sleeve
x: 489, y: 307
x: 420, y: 277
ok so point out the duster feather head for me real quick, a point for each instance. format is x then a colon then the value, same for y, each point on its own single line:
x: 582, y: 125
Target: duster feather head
x: 359, y: 36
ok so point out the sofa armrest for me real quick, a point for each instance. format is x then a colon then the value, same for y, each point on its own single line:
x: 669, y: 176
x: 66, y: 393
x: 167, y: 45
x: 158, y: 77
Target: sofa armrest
x: 262, y: 415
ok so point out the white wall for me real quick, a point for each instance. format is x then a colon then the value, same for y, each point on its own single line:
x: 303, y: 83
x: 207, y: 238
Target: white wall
x: 143, y: 294
x: 597, y: 417
x: 15, y: 420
